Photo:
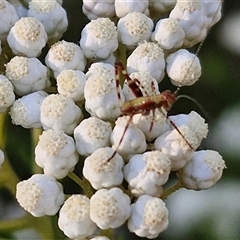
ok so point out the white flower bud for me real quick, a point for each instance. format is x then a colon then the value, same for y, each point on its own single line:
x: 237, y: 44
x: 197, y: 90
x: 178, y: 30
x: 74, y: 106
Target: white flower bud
x: 134, y: 28
x: 25, y: 111
x: 123, y: 7
x: 19, y: 7
x: 60, y: 113
x: 92, y: 133
x: 149, y: 217
x: 51, y: 14
x: 94, y: 9
x: 193, y: 20
x: 100, y: 238
x: 109, y: 208
x: 40, y: 195
x: 74, y: 218
x: 1, y: 158
x: 27, y: 37
x: 65, y: 55
x: 71, y: 83
x: 101, y: 171
x: 168, y: 33
x: 6, y: 93
x: 159, y: 8
x: 133, y: 141
x: 183, y: 68
x: 99, y: 39
x: 157, y: 122
x: 56, y: 153
x: 146, y: 83
x: 101, y: 92
x: 27, y: 75
x: 194, y: 121
x: 8, y: 16
x: 147, y: 57
x: 202, y: 171
x: 146, y: 173
x: 172, y: 144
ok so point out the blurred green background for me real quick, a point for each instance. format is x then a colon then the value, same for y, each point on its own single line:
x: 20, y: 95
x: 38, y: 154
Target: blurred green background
x: 212, y: 214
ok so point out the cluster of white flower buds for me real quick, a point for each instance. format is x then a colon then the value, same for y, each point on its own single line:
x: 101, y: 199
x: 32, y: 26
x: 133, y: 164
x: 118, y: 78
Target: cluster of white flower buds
x: 124, y: 118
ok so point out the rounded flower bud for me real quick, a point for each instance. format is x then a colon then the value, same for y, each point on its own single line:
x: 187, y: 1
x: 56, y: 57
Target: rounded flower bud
x: 8, y: 16
x: 53, y: 17
x: 60, y: 113
x: 109, y: 208
x: 70, y: 83
x: 27, y: 37
x: 1, y: 158
x: 99, y: 39
x: 146, y: 173
x: 168, y: 33
x: 56, y: 153
x: 101, y: 92
x: 147, y: 57
x: 202, y: 171
x: 98, y: 9
x: 25, y: 111
x: 134, y: 28
x: 100, y: 238
x: 101, y: 170
x: 74, y: 218
x: 179, y: 148
x: 65, y: 55
x: 7, y: 95
x: 123, y: 7
x: 27, y: 75
x: 133, y: 141
x: 19, y: 7
x: 183, y: 68
x: 149, y: 217
x: 92, y: 133
x: 40, y: 195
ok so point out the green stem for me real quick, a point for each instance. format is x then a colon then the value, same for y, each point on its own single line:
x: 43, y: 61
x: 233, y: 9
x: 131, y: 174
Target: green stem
x: 84, y: 184
x: 171, y: 190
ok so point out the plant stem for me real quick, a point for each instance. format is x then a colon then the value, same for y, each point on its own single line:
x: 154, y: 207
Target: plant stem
x: 171, y: 190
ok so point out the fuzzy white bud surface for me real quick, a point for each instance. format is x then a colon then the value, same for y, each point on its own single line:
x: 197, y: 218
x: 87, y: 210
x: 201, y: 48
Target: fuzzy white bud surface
x: 146, y: 173
x: 40, y: 195
x: 202, y: 171
x: 92, y: 133
x: 101, y: 170
x: 8, y: 16
x: 94, y: 9
x: 100, y: 238
x: 65, y: 55
x: 25, y: 111
x: 183, y: 68
x: 133, y: 142
x: 27, y: 37
x: 194, y: 121
x: 101, y: 92
x: 60, y: 113
x: 176, y: 146
x: 149, y: 217
x: 71, y: 83
x: 147, y: 57
x: 74, y: 217
x: 27, y: 75
x: 56, y: 153
x: 99, y: 39
x: 134, y: 28
x: 52, y: 15
x: 109, y: 208
x: 123, y: 7
x: 7, y: 95
x: 168, y: 34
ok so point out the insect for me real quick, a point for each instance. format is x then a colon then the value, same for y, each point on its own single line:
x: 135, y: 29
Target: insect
x: 146, y: 104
